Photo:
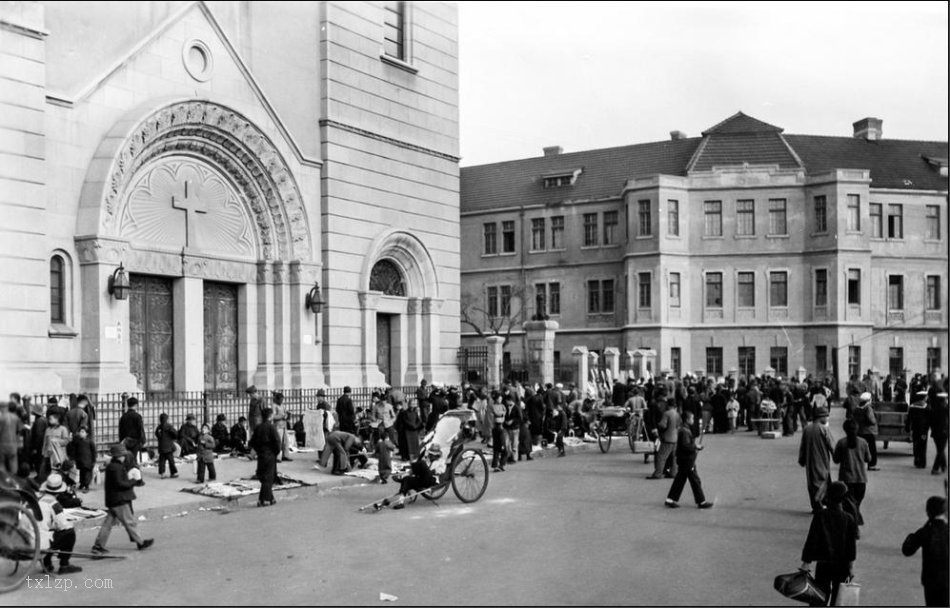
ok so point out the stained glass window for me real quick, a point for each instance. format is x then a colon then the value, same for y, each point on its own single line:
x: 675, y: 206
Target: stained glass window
x: 387, y: 278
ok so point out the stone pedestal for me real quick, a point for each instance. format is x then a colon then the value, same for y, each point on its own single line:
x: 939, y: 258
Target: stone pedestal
x: 644, y: 362
x: 580, y: 360
x: 495, y: 347
x: 540, y: 336
x: 612, y: 359
x: 801, y: 373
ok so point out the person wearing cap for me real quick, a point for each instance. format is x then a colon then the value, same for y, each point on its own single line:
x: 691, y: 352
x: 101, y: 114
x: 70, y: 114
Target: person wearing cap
x: 939, y: 429
x: 167, y: 436
x: 120, y: 485
x: 188, y: 435
x: 814, y: 454
x: 56, y: 526
x: 918, y: 424
x: 238, y: 437
x: 345, y: 412
x: 934, y: 541
x: 863, y: 414
x: 255, y: 408
x: 132, y: 429
x: 832, y: 543
x: 687, y: 448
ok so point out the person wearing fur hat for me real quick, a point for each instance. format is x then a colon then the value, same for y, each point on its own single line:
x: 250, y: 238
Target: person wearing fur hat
x: 120, y: 485
x: 814, y: 454
x: 864, y: 416
x: 62, y: 536
x: 832, y: 543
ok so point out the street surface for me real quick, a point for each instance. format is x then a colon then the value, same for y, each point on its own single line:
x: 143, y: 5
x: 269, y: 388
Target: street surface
x: 585, y: 529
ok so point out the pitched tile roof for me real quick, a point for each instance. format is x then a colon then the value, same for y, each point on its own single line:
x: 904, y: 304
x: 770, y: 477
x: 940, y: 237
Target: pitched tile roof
x: 764, y: 148
x: 742, y: 123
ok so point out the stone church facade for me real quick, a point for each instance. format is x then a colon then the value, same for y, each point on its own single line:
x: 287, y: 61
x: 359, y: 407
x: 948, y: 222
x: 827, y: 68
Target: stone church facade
x: 203, y: 196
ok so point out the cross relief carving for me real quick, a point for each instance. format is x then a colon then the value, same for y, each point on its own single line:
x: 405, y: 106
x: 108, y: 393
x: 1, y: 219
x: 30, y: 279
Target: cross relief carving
x: 190, y: 204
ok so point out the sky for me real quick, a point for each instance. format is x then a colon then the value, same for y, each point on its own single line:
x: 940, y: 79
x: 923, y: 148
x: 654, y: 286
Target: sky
x: 600, y: 74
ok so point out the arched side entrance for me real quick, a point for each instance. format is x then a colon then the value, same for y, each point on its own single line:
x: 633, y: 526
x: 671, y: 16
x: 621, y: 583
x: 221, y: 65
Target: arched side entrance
x: 400, y: 305
x: 195, y: 198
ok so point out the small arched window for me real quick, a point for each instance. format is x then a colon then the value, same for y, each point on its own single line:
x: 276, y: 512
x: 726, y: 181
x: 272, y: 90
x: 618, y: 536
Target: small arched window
x: 387, y: 278
x: 57, y: 290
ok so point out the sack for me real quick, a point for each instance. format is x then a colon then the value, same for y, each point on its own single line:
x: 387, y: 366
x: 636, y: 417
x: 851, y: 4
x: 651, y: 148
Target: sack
x: 644, y: 447
x: 849, y: 594
x: 800, y: 586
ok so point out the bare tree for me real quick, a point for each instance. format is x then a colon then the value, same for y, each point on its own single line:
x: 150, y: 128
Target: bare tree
x: 511, y: 315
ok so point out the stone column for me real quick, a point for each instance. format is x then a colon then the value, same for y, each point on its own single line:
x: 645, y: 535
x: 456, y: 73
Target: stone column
x: 580, y: 359
x: 612, y: 356
x: 540, y: 336
x: 264, y: 376
x: 306, y: 357
x: 431, y: 338
x: 495, y: 347
x: 188, y: 297
x: 371, y: 376
x: 414, y: 341
x: 282, y: 327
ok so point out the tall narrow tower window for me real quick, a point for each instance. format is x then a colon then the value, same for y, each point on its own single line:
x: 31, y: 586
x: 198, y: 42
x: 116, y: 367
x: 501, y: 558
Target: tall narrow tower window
x: 394, y: 42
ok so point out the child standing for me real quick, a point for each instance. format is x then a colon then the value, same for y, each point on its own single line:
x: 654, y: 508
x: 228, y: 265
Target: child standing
x: 166, y: 435
x: 732, y: 412
x: 83, y: 452
x: 384, y: 452
x: 206, y: 454
x: 54, y: 444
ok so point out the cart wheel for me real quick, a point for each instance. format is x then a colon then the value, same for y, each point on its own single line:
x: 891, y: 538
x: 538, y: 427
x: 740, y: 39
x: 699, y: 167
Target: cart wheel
x: 604, y: 437
x: 436, y: 492
x: 19, y: 544
x: 469, y: 475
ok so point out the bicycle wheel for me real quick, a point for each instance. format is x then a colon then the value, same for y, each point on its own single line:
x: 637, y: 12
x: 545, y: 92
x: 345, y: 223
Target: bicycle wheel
x: 436, y: 492
x: 633, y: 433
x: 19, y: 544
x: 469, y: 475
x: 604, y: 437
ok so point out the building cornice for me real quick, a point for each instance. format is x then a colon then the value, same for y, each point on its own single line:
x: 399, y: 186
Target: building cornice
x: 326, y: 122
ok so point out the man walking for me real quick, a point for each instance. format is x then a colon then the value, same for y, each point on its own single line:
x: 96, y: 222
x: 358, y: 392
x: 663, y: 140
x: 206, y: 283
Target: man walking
x: 939, y: 428
x: 814, y: 454
x: 934, y: 539
x: 131, y: 429
x: 119, y: 485
x: 667, y: 429
x: 345, y: 412
x: 686, y: 451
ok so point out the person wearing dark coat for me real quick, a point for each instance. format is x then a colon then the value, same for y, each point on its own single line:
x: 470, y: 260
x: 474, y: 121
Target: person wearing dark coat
x: 238, y: 440
x: 939, y: 428
x: 345, y: 412
x: 534, y: 405
x: 132, y: 429
x: 686, y: 451
x: 53, y: 407
x: 832, y: 543
x: 513, y: 416
x: 934, y: 540
x: 75, y: 417
x: 814, y: 454
x: 618, y: 395
x: 556, y: 428
x: 719, y: 414
x: 255, y: 408
x: 37, y: 434
x: 82, y: 451
x: 438, y: 406
x: 918, y: 423
x: 413, y: 425
x: 266, y: 443
x: 120, y: 482
x: 166, y: 435
x: 188, y: 436
x: 221, y: 435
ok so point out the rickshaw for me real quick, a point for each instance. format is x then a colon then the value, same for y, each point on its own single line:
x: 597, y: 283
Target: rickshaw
x: 620, y: 421
x: 19, y: 532
x: 464, y: 469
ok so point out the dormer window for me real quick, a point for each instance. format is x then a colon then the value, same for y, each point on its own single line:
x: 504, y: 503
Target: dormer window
x: 561, y: 178
x: 940, y: 164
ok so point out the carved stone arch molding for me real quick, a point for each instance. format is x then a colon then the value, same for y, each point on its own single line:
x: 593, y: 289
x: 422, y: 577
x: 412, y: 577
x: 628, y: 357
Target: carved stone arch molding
x: 213, y: 134
x: 410, y: 256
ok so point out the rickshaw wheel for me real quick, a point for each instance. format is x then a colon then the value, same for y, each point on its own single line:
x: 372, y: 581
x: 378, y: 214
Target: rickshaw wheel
x: 19, y: 544
x: 604, y: 437
x: 469, y: 475
x: 436, y: 492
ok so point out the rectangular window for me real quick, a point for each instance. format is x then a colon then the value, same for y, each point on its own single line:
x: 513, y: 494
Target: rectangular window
x: 643, y: 213
x: 713, y: 290
x: 933, y: 292
x: 491, y: 238
x: 590, y: 230
x: 778, y: 360
x: 505, y: 303
x: 492, y: 301
x: 821, y: 214
x: 747, y: 361
x: 675, y: 289
x: 673, y: 218
x: 644, y: 299
x: 56, y: 290
x: 895, y: 292
x: 607, y: 295
x: 821, y: 358
x: 714, y: 361
x: 610, y: 227
x: 821, y: 287
x: 557, y: 232
x: 778, y: 289
x: 508, y: 237
x: 713, y: 218
x: 554, y: 298
x: 895, y: 221
x: 895, y: 360
x: 394, y: 20
x: 877, y: 220
x: 593, y: 297
x: 676, y: 361
x: 854, y: 286
x: 854, y: 361
x: 537, y: 234
x: 746, y: 289
x: 933, y: 222
x: 854, y: 213
x: 745, y: 218
x: 778, y: 221
x: 933, y: 359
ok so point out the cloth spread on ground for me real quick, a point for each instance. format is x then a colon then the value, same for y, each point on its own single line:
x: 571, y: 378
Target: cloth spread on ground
x: 242, y: 487
x: 573, y: 441
x: 75, y: 514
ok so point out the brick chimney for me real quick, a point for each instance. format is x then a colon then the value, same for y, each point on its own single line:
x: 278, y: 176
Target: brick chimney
x: 869, y: 128
x: 552, y: 150
x: 674, y: 135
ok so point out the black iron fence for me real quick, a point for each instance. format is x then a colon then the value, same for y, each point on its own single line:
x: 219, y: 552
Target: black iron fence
x: 473, y: 363
x: 107, y: 408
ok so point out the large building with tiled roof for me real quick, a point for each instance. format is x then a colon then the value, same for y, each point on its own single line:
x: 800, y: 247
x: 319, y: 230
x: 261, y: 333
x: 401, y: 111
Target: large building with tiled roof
x: 737, y: 251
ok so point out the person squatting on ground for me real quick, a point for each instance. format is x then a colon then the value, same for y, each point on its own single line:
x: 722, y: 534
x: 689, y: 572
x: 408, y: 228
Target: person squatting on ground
x: 54, y: 499
x: 934, y: 541
x: 120, y: 482
x: 832, y: 543
x: 686, y: 451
